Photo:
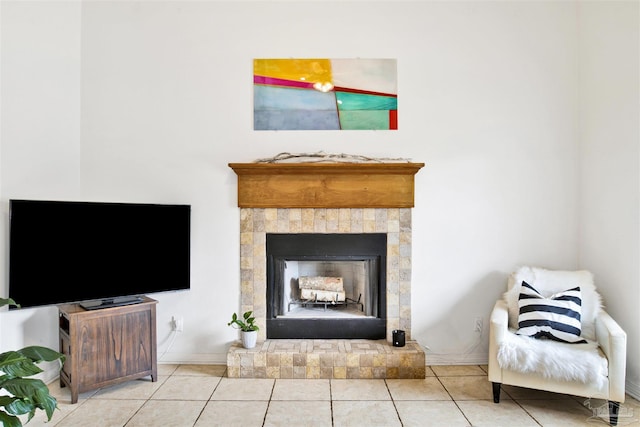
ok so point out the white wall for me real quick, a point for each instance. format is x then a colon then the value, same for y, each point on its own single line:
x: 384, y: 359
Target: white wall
x: 609, y: 162
x: 495, y: 125
x: 39, y: 132
x: 161, y: 100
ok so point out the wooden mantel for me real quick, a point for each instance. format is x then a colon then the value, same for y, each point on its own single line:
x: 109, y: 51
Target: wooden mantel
x: 326, y: 185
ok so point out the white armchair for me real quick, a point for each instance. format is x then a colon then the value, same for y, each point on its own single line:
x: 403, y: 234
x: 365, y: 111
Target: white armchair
x: 595, y: 368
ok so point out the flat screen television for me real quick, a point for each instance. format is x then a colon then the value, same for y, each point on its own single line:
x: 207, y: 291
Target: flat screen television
x: 96, y: 253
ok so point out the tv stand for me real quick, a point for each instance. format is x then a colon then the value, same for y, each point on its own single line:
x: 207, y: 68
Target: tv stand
x: 111, y: 302
x: 107, y: 346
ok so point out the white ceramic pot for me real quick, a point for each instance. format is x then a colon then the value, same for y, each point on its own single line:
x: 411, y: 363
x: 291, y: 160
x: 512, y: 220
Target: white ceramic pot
x: 249, y: 338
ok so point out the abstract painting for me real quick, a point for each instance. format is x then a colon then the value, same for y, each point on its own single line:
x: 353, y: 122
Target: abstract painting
x: 325, y: 94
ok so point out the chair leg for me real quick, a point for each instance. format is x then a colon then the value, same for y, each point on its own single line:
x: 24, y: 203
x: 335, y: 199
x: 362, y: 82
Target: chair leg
x: 613, y: 412
x: 496, y: 392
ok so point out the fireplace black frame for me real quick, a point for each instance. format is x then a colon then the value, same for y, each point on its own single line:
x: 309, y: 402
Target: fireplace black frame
x: 326, y: 247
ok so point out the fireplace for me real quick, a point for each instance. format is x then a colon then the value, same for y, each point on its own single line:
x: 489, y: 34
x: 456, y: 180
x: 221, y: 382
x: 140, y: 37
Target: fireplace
x: 351, y: 290
x: 325, y: 286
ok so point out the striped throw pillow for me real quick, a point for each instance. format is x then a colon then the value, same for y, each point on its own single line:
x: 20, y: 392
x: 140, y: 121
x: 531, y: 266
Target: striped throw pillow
x: 556, y: 317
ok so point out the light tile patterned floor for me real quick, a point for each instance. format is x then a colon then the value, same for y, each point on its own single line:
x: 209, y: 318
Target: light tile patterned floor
x: 203, y: 396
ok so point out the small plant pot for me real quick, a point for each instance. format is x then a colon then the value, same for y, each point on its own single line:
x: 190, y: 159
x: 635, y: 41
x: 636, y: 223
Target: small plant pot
x: 249, y: 338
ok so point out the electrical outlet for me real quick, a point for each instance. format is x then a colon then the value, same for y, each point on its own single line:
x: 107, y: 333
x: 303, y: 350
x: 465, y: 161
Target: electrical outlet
x: 177, y: 323
x: 477, y: 324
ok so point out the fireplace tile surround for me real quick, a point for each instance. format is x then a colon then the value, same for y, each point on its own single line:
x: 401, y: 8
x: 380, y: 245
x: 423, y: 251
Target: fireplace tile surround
x: 327, y: 198
x: 396, y: 223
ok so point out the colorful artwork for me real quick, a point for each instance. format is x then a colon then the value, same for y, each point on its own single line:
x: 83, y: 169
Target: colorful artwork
x: 325, y: 94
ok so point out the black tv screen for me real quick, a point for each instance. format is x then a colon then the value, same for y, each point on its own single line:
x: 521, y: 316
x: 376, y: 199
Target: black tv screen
x: 100, y: 254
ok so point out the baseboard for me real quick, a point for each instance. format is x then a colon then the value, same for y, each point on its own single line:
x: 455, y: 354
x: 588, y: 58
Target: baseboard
x: 193, y: 358
x: 456, y: 359
x: 633, y: 389
x: 49, y: 374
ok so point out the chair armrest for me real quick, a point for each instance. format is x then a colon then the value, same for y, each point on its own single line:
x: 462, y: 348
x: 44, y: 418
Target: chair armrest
x: 498, y: 329
x: 499, y: 321
x: 612, y: 339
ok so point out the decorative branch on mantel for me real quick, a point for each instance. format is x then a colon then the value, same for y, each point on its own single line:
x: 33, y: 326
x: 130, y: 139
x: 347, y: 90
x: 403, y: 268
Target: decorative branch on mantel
x: 321, y: 157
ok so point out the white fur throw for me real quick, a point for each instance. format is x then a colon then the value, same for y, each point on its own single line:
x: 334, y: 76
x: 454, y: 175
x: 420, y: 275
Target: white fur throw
x: 553, y: 359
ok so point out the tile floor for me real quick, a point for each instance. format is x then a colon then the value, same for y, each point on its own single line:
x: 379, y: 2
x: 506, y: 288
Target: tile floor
x: 202, y: 396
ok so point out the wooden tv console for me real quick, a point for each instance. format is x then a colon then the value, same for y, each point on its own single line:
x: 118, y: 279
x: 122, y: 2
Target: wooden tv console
x: 107, y: 346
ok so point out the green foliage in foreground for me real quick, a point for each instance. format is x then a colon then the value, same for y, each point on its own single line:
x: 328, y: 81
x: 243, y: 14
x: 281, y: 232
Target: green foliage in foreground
x: 24, y: 395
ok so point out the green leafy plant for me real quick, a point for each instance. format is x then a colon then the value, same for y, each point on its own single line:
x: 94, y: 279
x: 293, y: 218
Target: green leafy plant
x: 24, y: 395
x: 246, y: 324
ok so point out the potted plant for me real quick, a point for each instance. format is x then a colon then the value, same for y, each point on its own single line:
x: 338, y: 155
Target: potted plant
x: 22, y: 395
x: 248, y: 328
